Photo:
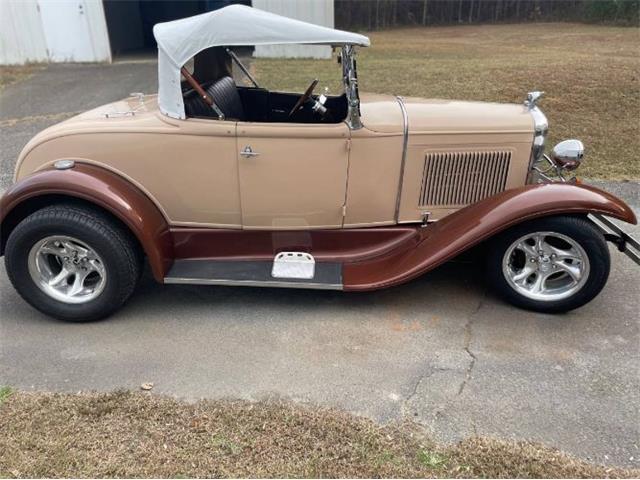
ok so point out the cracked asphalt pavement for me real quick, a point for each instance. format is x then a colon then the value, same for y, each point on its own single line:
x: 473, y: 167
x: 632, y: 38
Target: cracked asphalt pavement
x: 442, y: 350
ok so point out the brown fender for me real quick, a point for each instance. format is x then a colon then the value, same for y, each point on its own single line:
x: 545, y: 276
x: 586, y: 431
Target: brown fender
x: 469, y: 226
x: 104, y: 189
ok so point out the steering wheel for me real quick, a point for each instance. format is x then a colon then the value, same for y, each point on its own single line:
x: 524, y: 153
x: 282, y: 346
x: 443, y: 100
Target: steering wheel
x: 305, y: 96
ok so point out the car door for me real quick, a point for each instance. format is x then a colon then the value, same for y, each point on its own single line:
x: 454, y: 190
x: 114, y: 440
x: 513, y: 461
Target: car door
x: 292, y: 176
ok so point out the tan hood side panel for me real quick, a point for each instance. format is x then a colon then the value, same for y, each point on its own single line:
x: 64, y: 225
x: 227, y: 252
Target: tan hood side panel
x: 474, y: 153
x: 471, y: 134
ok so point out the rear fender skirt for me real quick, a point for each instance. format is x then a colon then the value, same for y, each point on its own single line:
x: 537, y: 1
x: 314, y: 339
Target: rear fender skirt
x: 109, y: 191
x: 469, y: 226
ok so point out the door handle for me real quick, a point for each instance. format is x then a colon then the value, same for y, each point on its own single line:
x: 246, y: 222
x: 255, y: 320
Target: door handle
x: 247, y: 152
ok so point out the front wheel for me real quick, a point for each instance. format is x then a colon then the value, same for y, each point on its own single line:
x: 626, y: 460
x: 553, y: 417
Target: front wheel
x: 551, y: 265
x: 72, y: 262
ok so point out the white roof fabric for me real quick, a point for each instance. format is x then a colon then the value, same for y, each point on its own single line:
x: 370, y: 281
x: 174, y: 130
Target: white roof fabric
x: 235, y: 25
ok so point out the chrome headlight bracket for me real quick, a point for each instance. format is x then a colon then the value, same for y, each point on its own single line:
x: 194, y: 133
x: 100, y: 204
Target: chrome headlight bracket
x: 549, y: 173
x: 566, y: 157
x: 540, y: 128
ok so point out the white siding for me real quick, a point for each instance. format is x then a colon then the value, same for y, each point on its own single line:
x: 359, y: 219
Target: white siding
x: 319, y: 12
x: 53, y: 30
x: 21, y: 36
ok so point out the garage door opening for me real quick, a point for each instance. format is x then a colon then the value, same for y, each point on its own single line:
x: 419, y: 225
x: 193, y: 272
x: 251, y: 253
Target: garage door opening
x: 130, y: 24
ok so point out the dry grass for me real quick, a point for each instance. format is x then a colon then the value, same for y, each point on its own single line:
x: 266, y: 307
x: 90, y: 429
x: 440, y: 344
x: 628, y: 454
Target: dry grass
x: 12, y: 74
x: 140, y: 435
x: 591, y: 76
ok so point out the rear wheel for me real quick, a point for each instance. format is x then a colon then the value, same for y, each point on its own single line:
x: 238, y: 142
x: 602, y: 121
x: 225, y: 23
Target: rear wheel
x: 552, y: 264
x: 73, y: 263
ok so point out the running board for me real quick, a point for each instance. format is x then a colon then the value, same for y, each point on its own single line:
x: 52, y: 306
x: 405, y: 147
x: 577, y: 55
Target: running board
x: 613, y: 233
x: 327, y: 276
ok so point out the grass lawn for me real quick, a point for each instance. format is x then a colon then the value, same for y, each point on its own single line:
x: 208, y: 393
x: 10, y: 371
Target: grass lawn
x: 590, y: 74
x: 141, y: 435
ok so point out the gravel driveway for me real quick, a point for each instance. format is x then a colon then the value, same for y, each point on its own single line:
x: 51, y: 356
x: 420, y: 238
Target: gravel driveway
x: 441, y: 350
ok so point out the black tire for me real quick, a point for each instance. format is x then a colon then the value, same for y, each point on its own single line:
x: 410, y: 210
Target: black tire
x: 112, y: 242
x: 580, y: 230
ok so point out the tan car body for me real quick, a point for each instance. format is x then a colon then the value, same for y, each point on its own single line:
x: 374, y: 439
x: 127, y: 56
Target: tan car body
x: 359, y: 197
x: 307, y: 176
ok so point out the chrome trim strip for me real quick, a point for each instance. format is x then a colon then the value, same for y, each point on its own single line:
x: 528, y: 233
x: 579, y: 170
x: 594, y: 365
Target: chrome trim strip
x: 405, y: 133
x: 251, y: 283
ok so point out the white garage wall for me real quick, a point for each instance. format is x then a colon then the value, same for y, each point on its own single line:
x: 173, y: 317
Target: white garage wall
x: 53, y: 30
x: 75, y: 30
x: 319, y: 12
x: 21, y: 36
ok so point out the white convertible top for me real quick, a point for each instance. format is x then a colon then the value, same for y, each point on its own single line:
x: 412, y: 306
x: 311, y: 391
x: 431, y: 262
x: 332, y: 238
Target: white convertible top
x: 235, y: 25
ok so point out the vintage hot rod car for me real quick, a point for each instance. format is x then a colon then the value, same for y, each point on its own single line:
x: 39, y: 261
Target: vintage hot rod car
x: 210, y: 182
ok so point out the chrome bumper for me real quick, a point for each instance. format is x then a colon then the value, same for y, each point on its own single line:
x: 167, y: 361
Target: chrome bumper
x: 613, y: 233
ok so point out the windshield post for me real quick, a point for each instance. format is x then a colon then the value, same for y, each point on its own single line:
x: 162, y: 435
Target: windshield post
x: 237, y: 61
x: 350, y: 79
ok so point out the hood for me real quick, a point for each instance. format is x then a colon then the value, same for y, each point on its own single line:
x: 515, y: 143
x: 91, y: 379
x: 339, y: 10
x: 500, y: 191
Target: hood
x: 382, y: 113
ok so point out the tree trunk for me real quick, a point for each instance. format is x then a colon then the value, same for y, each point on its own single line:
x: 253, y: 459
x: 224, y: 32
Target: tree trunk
x: 424, y: 12
x: 471, y: 12
x: 394, y: 13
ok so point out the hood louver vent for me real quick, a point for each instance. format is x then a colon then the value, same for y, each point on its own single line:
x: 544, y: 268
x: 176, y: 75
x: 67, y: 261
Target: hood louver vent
x: 454, y: 179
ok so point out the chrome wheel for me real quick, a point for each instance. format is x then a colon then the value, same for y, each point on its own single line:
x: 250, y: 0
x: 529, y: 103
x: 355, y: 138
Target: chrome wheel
x: 545, y: 266
x: 67, y: 269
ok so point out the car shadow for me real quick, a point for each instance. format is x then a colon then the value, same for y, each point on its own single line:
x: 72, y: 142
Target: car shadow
x: 441, y: 288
